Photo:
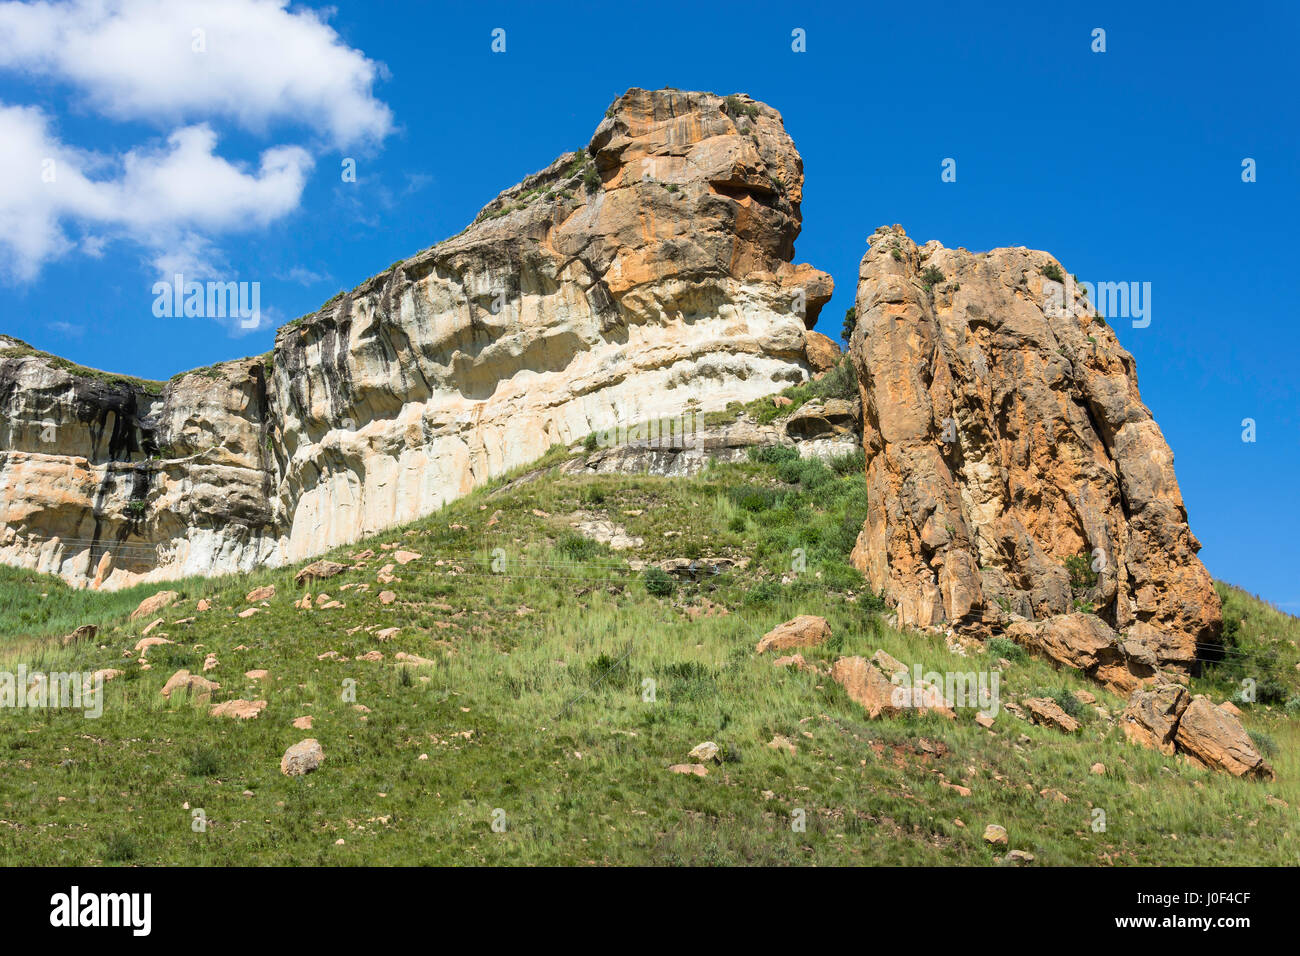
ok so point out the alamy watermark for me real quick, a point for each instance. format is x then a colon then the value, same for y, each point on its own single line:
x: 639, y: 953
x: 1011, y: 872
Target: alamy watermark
x: 37, y: 690
x: 1111, y: 300
x: 210, y: 300
x: 667, y: 433
x: 953, y: 689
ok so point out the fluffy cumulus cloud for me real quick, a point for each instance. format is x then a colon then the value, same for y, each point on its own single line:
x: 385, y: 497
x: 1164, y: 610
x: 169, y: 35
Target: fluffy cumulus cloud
x: 185, y: 66
x: 166, y: 197
x: 252, y: 61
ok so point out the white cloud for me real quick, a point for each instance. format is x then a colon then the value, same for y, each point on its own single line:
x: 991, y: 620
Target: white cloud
x: 260, y: 63
x: 169, y: 198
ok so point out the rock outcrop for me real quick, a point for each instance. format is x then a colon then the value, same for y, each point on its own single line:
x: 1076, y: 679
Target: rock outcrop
x: 1005, y: 437
x: 1168, y: 719
x: 648, y: 273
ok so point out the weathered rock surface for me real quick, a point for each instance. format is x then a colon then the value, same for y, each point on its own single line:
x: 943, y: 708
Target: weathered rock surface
x: 1086, y: 642
x: 1004, y: 434
x: 302, y: 758
x: 1168, y: 719
x: 1215, y: 738
x: 1045, y: 711
x: 645, y: 274
x: 866, y: 686
x: 806, y: 630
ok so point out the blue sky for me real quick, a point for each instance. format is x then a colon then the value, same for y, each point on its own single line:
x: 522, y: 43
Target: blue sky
x: 1125, y: 164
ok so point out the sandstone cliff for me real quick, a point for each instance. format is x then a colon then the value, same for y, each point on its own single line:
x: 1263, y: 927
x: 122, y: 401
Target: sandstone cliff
x: 1004, y: 438
x: 627, y: 281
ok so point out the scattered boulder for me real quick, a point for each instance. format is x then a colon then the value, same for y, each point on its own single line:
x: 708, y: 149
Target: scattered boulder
x: 302, y: 723
x: 703, y: 753
x: 319, y: 571
x: 1098, y: 768
x: 154, y: 603
x: 1216, y: 739
x: 698, y: 769
x: 806, y: 630
x: 405, y: 557
x: 1231, y: 708
x: 1151, y: 718
x: 86, y: 632
x: 302, y: 758
x: 243, y: 709
x: 387, y: 597
x: 866, y: 686
x: 248, y: 612
x: 203, y: 605
x: 1020, y: 856
x: 192, y: 685
x: 414, y: 660
x: 1045, y: 711
x: 791, y: 660
x: 995, y: 835
x: 257, y: 674
x: 386, y: 633
x: 260, y: 594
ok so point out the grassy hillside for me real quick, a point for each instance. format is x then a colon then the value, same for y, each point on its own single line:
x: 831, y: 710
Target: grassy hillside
x: 529, y: 697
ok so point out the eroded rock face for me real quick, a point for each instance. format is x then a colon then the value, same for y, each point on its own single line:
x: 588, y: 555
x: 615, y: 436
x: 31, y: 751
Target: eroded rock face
x: 626, y: 282
x: 1168, y: 719
x: 1004, y: 434
x: 1086, y: 642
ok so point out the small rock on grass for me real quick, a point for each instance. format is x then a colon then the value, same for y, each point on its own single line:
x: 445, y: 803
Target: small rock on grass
x: 302, y: 758
x: 698, y: 769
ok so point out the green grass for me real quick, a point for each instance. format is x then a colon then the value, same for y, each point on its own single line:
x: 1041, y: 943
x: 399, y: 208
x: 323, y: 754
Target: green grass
x: 839, y: 382
x: 560, y: 691
x: 22, y: 350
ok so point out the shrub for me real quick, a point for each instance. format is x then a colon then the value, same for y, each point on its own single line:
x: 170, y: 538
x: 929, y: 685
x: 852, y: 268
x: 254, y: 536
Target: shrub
x: 121, y: 848
x: 590, y: 442
x: 773, y: 454
x: 1067, y: 702
x: 1082, y: 576
x: 1053, y: 272
x: 736, y: 109
x: 873, y: 603
x: 767, y: 592
x: 1005, y: 647
x: 853, y: 463
x: 204, y: 761
x: 754, y: 499
x: 590, y: 179
x: 577, y: 548
x: 658, y: 582
x: 931, y: 277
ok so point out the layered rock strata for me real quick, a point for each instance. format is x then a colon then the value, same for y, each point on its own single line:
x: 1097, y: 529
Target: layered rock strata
x: 648, y: 273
